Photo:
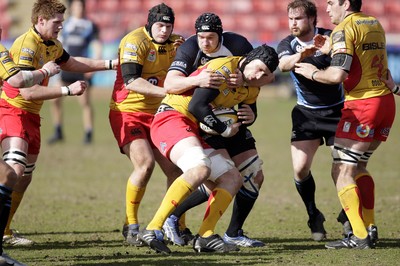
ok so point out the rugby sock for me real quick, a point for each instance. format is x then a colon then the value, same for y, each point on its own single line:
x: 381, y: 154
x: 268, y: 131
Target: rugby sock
x: 182, y: 222
x: 176, y: 193
x: 133, y: 198
x: 218, y: 201
x: 16, y: 198
x: 196, y: 198
x: 306, y: 190
x: 5, y: 203
x: 366, y: 186
x: 350, y: 199
x: 342, y: 217
x: 241, y: 209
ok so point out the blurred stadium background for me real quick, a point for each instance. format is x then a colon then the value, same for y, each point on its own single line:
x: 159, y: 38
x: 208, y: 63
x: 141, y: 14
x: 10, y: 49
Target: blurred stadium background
x: 261, y: 21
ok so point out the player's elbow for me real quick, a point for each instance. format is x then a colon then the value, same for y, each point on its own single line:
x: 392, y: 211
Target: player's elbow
x: 16, y: 81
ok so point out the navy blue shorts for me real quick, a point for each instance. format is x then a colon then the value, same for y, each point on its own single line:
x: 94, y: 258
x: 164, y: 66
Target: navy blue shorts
x: 310, y: 124
x: 240, y: 142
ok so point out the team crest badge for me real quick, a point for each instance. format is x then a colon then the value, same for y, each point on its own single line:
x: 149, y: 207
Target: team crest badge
x: 363, y: 131
x: 152, y: 56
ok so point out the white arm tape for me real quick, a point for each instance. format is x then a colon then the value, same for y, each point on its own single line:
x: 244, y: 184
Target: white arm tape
x: 27, y: 76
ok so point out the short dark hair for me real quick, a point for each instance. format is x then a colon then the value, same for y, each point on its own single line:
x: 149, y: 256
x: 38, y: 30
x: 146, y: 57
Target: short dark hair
x: 355, y: 5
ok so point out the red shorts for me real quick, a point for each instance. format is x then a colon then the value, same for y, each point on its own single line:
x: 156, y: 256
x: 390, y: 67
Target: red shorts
x: 129, y: 126
x: 16, y: 122
x: 170, y: 127
x: 368, y: 119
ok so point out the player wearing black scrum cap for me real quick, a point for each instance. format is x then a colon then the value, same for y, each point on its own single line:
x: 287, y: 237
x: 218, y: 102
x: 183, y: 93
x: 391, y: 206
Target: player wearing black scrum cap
x: 144, y: 57
x: 212, y: 42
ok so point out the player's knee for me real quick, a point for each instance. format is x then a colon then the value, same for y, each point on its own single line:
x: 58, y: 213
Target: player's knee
x: 251, y: 172
x: 219, y: 166
x: 341, y: 154
x: 17, y: 159
x: 29, y: 169
x: 194, y: 157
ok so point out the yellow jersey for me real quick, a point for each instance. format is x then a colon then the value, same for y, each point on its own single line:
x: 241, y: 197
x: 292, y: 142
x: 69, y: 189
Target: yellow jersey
x: 363, y: 38
x: 7, y: 65
x: 138, y: 47
x: 227, y: 97
x: 30, y: 51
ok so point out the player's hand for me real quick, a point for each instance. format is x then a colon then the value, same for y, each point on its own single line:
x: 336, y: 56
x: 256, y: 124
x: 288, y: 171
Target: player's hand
x: 235, y: 79
x: 209, y: 79
x: 178, y: 42
x: 389, y: 82
x: 246, y: 114
x: 322, y: 43
x: 307, y: 51
x: 51, y: 68
x: 78, y: 87
x: 305, y: 69
x: 231, y: 130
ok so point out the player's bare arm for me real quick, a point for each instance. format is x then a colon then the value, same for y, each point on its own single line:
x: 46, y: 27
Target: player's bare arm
x: 146, y: 88
x: 84, y: 65
x: 331, y: 75
x: 287, y: 63
x: 176, y: 82
x: 38, y: 92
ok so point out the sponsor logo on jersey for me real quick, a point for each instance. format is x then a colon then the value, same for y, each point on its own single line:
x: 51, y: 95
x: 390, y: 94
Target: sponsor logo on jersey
x: 28, y: 51
x: 178, y: 64
x: 26, y: 58
x: 153, y: 80
x: 128, y: 55
x: 131, y: 46
x: 162, y: 50
x: 7, y: 60
x: 283, y: 53
x: 226, y: 70
x: 338, y: 36
x: 3, y: 54
x: 373, y: 46
x: 204, y: 60
x: 338, y: 46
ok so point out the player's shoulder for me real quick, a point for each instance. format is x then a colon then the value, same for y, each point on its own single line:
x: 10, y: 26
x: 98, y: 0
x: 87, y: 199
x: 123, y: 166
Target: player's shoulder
x: 236, y: 43
x: 190, y: 42
x: 232, y: 37
x: 29, y: 39
x: 324, y: 31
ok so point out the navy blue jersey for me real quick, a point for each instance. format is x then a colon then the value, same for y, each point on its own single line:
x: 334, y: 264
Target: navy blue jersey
x: 189, y: 56
x: 77, y: 35
x: 310, y: 93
